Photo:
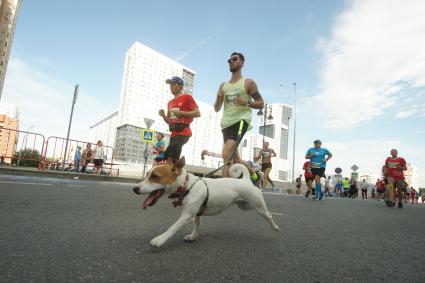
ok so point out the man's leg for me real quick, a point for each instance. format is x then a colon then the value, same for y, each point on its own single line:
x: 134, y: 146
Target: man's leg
x: 174, y: 149
x: 390, y: 192
x: 228, y: 149
x: 317, y: 186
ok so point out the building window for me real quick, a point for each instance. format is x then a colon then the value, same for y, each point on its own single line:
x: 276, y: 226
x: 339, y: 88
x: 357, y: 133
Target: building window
x: 283, y: 152
x: 283, y: 175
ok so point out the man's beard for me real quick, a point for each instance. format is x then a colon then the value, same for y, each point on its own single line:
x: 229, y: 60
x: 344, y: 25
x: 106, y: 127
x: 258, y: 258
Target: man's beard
x: 235, y: 69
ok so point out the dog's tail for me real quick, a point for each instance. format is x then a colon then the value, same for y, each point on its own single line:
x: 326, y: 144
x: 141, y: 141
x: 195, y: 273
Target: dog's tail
x: 239, y: 171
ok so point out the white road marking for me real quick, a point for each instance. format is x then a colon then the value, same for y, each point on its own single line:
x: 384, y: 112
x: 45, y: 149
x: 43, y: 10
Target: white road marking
x: 76, y: 186
x: 276, y: 213
x: 25, y: 183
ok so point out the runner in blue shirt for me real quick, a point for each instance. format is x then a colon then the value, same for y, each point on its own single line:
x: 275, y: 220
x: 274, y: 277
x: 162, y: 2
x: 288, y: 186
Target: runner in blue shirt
x: 318, y: 157
x: 159, y: 149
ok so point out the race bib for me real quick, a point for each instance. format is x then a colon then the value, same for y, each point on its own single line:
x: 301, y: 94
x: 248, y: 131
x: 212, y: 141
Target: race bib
x: 172, y: 116
x: 231, y: 96
x: 315, y: 164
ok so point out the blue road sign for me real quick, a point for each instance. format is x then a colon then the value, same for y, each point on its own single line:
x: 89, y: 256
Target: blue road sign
x: 147, y: 135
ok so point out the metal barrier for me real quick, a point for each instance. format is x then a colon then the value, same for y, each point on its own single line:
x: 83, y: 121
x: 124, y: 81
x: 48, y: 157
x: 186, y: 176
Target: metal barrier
x: 29, y: 145
x: 18, y: 146
x: 55, y: 151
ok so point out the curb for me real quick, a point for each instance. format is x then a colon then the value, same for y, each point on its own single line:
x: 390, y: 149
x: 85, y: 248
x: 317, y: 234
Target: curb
x: 64, y: 175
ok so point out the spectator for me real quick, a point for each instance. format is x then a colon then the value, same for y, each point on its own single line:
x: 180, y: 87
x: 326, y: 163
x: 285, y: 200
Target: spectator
x: 77, y: 159
x: 98, y: 157
x: 86, y: 157
x: 346, y: 186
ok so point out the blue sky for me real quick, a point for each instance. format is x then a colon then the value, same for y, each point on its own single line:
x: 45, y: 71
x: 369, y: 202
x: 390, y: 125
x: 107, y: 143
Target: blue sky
x: 359, y: 65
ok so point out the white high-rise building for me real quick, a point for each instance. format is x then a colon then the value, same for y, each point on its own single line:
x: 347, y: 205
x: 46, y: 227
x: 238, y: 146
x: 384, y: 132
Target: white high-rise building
x: 412, y: 175
x: 105, y: 129
x: 274, y: 131
x: 143, y: 93
x: 9, y: 10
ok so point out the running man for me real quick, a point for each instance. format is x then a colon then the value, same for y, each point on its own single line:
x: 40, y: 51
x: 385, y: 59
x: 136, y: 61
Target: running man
x: 308, y: 176
x: 298, y: 182
x: 266, y: 155
x: 364, y: 186
x: 181, y: 111
x: 159, y: 149
x: 394, y: 172
x: 318, y: 157
x: 328, y: 185
x: 239, y: 96
x: 380, y: 189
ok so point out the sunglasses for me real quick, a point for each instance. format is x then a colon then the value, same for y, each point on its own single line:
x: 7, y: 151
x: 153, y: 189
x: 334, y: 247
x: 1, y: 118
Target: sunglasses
x: 233, y: 59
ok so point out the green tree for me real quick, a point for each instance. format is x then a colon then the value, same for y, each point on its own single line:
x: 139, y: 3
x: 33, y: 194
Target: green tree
x: 29, y: 158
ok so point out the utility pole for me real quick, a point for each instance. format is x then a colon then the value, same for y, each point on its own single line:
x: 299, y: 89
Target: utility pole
x: 74, y: 100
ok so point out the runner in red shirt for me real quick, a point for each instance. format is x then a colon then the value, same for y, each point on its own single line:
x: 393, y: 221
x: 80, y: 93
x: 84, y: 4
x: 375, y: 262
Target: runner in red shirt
x: 181, y: 111
x: 394, y: 172
x: 380, y: 189
x: 308, y: 175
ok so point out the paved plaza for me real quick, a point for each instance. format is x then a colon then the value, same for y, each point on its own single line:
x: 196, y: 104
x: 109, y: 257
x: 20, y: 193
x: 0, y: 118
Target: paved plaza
x: 57, y: 230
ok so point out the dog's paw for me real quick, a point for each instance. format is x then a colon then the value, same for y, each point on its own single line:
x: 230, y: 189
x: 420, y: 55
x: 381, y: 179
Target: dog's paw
x: 190, y: 238
x: 157, y: 242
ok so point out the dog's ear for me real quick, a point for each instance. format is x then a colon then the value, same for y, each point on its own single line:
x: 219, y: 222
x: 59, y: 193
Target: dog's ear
x: 178, y: 166
x: 180, y: 163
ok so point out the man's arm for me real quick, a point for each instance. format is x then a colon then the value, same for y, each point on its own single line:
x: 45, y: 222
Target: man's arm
x: 165, y: 117
x: 308, y: 156
x: 220, y: 98
x: 188, y: 114
x: 329, y: 156
x: 252, y: 90
x: 273, y: 153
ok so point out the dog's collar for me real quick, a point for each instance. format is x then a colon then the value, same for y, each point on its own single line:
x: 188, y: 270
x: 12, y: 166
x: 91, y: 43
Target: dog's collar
x: 180, y: 193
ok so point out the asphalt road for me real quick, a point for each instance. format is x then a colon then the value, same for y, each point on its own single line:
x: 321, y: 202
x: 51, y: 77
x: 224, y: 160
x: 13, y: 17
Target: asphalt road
x: 56, y: 230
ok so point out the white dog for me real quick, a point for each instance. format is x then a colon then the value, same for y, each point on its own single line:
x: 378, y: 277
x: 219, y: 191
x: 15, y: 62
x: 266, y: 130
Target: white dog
x: 200, y: 196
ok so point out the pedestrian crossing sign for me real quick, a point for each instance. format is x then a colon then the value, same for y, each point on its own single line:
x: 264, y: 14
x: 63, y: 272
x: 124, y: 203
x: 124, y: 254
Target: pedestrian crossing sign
x: 147, y: 135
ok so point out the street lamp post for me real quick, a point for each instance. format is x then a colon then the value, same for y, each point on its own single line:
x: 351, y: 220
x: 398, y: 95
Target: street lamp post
x: 74, y: 100
x: 295, y: 131
x: 263, y: 112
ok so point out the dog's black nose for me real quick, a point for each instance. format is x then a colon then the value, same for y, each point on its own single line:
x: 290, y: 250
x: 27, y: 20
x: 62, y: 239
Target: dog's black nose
x: 136, y: 190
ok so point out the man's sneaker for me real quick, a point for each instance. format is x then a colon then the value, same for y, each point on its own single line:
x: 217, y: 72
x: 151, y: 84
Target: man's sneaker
x: 306, y: 194
x: 390, y: 203
x: 400, y: 205
x: 321, y: 195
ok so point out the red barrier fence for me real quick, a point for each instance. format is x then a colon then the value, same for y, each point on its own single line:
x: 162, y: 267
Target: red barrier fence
x: 20, y: 147
x: 55, y: 151
x: 17, y: 146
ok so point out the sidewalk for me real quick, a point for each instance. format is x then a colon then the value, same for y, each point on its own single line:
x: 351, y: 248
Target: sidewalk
x: 30, y: 171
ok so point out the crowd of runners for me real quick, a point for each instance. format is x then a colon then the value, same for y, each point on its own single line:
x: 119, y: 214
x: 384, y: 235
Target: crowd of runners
x: 391, y: 188
x: 237, y: 97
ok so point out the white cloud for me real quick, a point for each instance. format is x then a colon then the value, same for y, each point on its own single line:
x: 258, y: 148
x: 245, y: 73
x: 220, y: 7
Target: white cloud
x: 193, y: 48
x: 45, y: 102
x: 375, y: 52
x: 405, y: 114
